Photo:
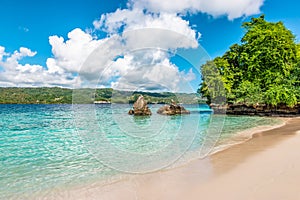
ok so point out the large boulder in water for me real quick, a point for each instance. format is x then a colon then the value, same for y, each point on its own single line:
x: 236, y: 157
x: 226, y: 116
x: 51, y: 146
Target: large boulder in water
x: 140, y: 107
x: 172, y: 109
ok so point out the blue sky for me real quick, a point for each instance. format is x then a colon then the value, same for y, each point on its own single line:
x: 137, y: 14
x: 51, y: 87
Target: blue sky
x: 51, y: 61
x: 30, y: 23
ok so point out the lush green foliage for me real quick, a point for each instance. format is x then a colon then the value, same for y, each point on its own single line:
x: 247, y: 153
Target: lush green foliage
x: 35, y: 95
x: 87, y: 95
x: 263, y: 69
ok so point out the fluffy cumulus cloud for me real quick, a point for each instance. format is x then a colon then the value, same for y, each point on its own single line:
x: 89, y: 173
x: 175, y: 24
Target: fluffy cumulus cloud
x: 71, y: 54
x: 230, y: 8
x: 142, y: 71
x: 2, y: 53
x: 148, y: 40
x: 134, y: 19
x: 15, y: 74
x: 59, y: 70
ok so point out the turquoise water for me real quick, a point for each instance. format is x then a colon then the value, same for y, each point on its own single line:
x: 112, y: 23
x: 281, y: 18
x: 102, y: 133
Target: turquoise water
x: 48, y: 146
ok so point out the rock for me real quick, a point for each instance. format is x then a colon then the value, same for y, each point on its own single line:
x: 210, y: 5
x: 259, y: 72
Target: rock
x: 130, y: 112
x: 259, y: 110
x: 140, y: 107
x: 219, y: 109
x: 172, y: 109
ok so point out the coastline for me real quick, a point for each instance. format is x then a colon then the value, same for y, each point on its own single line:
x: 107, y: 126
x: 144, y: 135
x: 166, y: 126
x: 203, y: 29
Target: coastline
x: 246, y: 135
x: 235, y: 172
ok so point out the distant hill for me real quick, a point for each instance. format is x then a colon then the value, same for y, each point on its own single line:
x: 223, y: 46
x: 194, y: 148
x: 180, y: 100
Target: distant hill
x: 56, y: 95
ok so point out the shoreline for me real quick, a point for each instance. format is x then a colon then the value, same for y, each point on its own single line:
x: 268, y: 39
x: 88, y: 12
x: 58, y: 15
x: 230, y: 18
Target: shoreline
x: 246, y: 135
x: 257, y: 110
x: 189, y: 179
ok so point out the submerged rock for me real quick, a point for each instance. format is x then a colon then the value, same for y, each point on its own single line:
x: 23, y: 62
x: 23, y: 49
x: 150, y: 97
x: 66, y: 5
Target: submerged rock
x: 140, y: 107
x: 172, y: 109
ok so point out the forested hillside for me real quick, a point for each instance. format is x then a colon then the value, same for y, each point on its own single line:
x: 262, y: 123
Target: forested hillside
x: 55, y: 95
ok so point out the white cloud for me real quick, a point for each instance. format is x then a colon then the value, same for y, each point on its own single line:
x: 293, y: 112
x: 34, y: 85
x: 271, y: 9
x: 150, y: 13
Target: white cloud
x: 149, y: 40
x: 11, y: 61
x: 15, y: 74
x: 189, y: 76
x: 2, y: 53
x: 148, y: 70
x: 231, y: 8
x: 71, y: 54
x: 127, y: 20
x: 68, y: 56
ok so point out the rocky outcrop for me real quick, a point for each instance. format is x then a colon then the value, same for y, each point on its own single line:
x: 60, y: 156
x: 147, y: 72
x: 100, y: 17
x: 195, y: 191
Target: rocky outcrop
x: 259, y: 110
x: 172, y: 109
x: 140, y: 107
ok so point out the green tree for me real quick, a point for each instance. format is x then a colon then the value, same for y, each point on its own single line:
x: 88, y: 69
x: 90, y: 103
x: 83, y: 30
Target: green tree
x: 263, y: 68
x: 213, y: 85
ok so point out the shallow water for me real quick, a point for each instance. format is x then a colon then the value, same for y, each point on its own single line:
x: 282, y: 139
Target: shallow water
x: 47, y: 146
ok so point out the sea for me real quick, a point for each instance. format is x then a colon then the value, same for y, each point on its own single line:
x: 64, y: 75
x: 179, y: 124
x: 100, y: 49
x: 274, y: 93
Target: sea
x: 43, y: 147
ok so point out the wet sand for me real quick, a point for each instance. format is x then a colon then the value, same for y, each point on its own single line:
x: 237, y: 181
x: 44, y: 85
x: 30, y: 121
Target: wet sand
x: 265, y: 167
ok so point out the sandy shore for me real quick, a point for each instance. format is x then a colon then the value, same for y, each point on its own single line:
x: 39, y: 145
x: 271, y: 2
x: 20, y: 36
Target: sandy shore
x: 265, y: 167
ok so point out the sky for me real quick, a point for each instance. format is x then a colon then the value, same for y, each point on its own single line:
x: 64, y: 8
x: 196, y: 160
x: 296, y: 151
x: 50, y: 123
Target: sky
x: 149, y: 45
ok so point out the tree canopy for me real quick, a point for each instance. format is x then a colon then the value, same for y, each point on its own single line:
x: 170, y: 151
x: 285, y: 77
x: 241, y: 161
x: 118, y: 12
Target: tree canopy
x: 262, y: 69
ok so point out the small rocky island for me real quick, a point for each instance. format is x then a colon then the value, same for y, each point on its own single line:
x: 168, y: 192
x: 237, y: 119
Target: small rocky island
x: 172, y: 109
x: 140, y: 107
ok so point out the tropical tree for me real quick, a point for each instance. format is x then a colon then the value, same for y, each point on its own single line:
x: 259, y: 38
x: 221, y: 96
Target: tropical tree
x: 263, y: 68
x: 212, y: 86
